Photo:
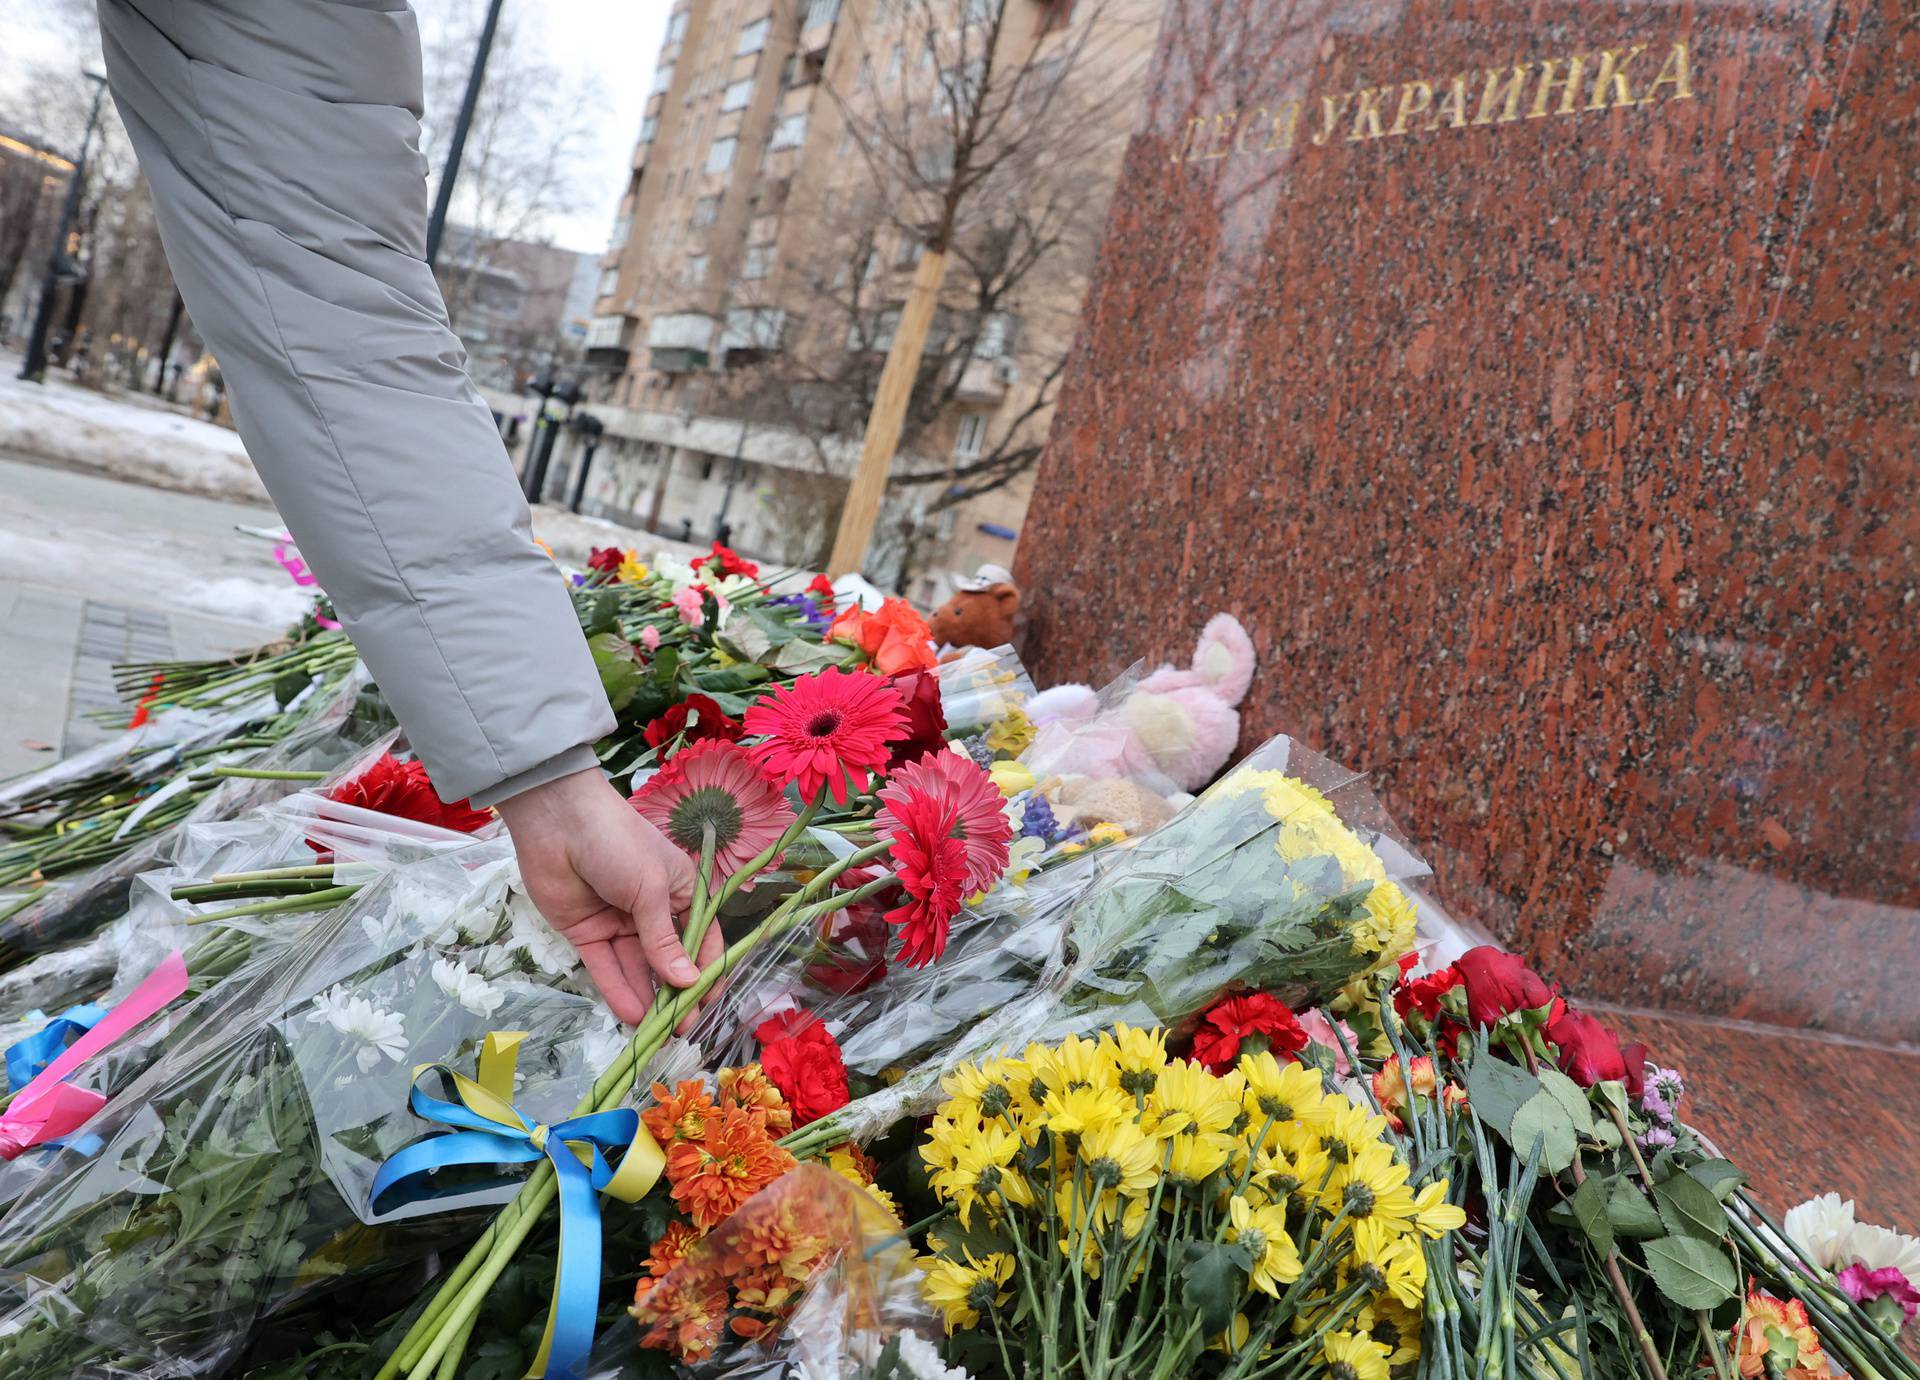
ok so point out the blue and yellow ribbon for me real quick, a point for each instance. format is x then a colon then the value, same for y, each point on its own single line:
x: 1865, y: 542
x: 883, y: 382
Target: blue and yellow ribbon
x: 495, y: 1134
x: 29, y: 1057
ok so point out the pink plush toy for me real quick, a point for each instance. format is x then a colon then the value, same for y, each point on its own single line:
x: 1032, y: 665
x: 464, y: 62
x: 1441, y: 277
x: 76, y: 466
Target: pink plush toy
x: 1177, y: 724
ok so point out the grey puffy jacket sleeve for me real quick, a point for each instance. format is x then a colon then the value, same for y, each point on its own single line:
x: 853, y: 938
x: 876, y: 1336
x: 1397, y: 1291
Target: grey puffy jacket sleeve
x: 281, y: 142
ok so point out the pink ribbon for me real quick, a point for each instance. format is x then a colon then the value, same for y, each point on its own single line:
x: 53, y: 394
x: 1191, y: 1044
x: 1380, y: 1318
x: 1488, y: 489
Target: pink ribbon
x: 50, y: 1107
x: 303, y: 577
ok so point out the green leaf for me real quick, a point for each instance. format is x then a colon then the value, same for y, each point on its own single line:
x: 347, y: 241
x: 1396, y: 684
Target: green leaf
x: 1690, y: 1272
x: 620, y: 671
x: 744, y: 641
x: 1630, y: 1213
x: 1718, y: 1177
x: 1571, y: 1096
x: 1589, y: 1208
x: 798, y: 658
x: 1497, y: 1089
x: 1689, y: 1209
x: 1216, y: 1280
x: 1541, y: 1118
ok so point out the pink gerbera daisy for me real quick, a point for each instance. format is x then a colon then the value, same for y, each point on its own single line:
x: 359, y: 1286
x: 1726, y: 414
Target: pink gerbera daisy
x: 931, y: 867
x: 716, y: 784
x: 829, y: 729
x: 958, y: 785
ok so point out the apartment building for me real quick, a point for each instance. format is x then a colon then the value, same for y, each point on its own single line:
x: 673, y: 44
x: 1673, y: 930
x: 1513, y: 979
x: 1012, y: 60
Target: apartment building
x: 791, y: 152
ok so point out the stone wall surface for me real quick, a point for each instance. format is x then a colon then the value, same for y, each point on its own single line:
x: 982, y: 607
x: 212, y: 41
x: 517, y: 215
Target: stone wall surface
x: 1541, y: 385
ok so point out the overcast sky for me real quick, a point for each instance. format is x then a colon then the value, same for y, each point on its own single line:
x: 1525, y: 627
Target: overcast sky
x: 611, y: 41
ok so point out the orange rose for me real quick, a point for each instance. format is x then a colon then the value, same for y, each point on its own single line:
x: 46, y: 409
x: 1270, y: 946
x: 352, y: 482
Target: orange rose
x: 892, y: 638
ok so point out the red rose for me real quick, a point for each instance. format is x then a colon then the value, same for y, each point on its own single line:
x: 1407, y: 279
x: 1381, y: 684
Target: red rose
x: 401, y: 788
x: 710, y: 721
x: 926, y: 729
x: 821, y: 588
x: 854, y: 949
x: 804, y: 1062
x: 606, y: 559
x: 729, y: 562
x: 1499, y: 984
x: 1589, y: 1052
x: 1423, y: 994
x: 1636, y: 1056
x: 1256, y: 1021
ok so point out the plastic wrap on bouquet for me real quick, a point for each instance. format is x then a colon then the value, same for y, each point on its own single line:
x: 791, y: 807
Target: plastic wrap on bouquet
x: 1285, y: 876
x: 77, y: 907
x: 982, y: 687
x: 812, y: 1278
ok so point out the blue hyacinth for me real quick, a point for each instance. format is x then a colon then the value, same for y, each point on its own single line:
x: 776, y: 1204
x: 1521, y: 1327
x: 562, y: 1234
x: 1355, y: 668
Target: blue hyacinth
x: 1038, y: 821
x: 978, y: 750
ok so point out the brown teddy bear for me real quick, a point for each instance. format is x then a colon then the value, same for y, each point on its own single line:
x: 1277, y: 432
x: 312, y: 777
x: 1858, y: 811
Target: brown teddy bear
x: 981, y: 612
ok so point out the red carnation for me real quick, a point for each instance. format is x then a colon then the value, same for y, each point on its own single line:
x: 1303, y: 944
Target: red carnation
x: 1422, y: 994
x: 1246, y: 1025
x: 805, y: 1063
x: 401, y: 788
x: 1589, y: 1052
x: 926, y: 727
x: 606, y: 559
x: 1499, y: 984
x: 821, y: 588
x: 710, y: 721
x: 730, y: 562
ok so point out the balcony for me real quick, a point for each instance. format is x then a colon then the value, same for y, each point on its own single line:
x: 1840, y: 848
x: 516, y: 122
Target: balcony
x: 984, y: 380
x: 680, y: 342
x: 609, y: 340
x: 751, y: 334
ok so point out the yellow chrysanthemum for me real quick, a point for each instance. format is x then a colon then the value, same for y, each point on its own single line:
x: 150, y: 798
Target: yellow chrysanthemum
x: 963, y: 1290
x: 1281, y: 1171
x: 1137, y: 1056
x: 1387, y: 922
x: 1235, y: 1336
x: 1119, y: 1158
x: 1399, y: 1269
x: 1394, y: 1328
x: 1281, y: 1093
x: 1263, y: 1231
x: 1371, y: 1189
x: 1351, y: 1356
x: 1433, y: 1215
x: 1188, y: 1100
x: 1191, y: 1159
x: 1347, y: 1131
x: 945, y: 1134
x: 1071, y: 1114
x: 1073, y: 1063
x: 983, y: 1172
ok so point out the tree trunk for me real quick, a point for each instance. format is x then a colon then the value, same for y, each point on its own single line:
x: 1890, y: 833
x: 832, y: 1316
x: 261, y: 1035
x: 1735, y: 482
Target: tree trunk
x: 889, y: 410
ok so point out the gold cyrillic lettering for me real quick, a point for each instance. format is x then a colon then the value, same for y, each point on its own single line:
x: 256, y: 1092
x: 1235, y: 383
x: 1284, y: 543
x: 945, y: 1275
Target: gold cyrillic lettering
x: 1569, y: 86
x: 1516, y: 84
x: 1240, y: 134
x: 1222, y: 130
x: 1416, y: 98
x: 1191, y: 143
x: 1284, y: 119
x: 1674, y: 72
x: 1329, y: 117
x: 1610, y: 86
x: 1453, y: 105
x: 1366, y: 113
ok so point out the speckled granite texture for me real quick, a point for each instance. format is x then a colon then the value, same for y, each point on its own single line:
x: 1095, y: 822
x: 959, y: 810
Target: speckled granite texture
x: 1563, y: 465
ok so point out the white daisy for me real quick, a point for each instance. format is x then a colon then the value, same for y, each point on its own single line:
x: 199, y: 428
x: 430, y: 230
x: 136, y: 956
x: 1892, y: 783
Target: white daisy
x: 466, y: 987
x: 1821, y: 1227
x: 921, y: 1359
x: 600, y: 1046
x: 383, y: 1032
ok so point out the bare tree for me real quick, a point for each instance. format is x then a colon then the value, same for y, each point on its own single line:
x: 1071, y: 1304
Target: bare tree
x: 520, y: 170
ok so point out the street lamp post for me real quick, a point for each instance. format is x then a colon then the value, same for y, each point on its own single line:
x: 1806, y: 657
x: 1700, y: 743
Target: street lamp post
x: 540, y: 449
x: 34, y: 366
x: 457, y: 145
x: 590, y: 429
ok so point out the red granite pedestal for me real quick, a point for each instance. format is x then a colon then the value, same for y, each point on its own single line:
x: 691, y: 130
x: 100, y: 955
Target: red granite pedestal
x: 1541, y: 386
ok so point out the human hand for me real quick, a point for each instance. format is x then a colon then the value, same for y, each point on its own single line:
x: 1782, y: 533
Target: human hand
x: 609, y: 882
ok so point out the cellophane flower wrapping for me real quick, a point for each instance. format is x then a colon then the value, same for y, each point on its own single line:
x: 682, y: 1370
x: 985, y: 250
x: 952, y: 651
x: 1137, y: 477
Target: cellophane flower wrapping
x: 840, y: 1249
x: 1285, y: 876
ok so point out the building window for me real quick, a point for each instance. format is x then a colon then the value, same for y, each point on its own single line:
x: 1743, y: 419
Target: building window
x: 662, y: 79
x: 676, y: 27
x: 763, y: 230
x: 958, y: 88
x: 752, y: 38
x: 981, y: 11
x: 622, y: 224
x: 906, y: 251
x: 791, y: 132
x: 995, y: 340
x: 695, y: 272
x: 720, y: 154
x: 758, y: 263
x: 737, y: 95
x: 970, y: 437
x: 896, y: 61
x: 821, y: 12
x: 609, y: 280
x: 648, y: 128
x: 863, y: 78
x: 706, y: 211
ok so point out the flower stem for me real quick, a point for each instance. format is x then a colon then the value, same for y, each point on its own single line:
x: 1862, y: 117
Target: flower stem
x: 312, y: 900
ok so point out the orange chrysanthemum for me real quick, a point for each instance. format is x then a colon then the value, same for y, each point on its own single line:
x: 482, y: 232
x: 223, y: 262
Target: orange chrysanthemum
x: 749, y: 1089
x: 684, y: 1313
x: 681, y: 1114
x: 670, y: 1249
x: 771, y: 1251
x: 730, y: 1163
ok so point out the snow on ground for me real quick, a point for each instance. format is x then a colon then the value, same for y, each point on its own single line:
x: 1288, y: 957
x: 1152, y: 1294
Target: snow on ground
x: 121, y: 436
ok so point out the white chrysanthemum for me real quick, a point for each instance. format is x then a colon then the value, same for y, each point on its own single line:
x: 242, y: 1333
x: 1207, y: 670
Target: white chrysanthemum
x: 1879, y: 1247
x: 603, y: 1044
x: 382, y: 1032
x: 1820, y: 1226
x: 467, y: 987
x: 533, y: 936
x: 921, y: 1359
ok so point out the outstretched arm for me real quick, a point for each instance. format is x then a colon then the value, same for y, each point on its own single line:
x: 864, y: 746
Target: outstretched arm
x: 280, y: 139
